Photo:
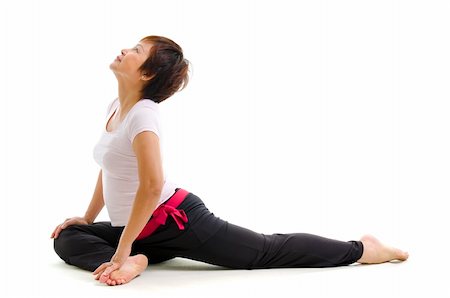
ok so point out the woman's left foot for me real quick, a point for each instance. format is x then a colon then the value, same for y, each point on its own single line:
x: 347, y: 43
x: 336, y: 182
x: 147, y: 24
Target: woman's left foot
x: 132, y: 267
x: 376, y: 252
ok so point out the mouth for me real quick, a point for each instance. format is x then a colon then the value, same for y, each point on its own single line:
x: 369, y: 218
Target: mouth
x: 118, y: 58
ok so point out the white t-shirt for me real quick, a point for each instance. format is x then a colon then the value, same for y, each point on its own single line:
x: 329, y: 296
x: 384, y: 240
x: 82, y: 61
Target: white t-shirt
x: 115, y: 155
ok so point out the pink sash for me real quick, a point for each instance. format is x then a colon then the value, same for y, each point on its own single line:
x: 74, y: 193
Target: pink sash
x: 161, y: 213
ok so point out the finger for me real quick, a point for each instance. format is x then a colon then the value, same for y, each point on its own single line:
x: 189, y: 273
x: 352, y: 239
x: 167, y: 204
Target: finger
x: 101, y: 267
x: 107, y: 271
x: 97, y: 277
x: 103, y: 279
x: 110, y: 269
x: 99, y: 273
x: 57, y: 231
x: 67, y: 222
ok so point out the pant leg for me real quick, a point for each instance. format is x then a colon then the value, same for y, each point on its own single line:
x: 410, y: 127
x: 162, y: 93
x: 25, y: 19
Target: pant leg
x: 226, y: 244
x: 209, y: 239
x: 88, y: 246
x: 240, y: 248
x: 168, y: 241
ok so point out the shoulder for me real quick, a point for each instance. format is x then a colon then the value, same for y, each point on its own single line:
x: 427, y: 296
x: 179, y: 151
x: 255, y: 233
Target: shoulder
x: 144, y: 117
x: 147, y: 104
x: 145, y: 109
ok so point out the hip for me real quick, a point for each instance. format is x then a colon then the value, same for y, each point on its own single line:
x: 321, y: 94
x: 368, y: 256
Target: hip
x: 190, y: 218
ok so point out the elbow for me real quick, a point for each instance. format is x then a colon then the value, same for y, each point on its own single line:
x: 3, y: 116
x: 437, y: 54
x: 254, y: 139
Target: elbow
x: 154, y: 189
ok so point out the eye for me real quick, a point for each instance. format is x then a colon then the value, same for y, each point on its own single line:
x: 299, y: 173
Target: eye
x: 136, y: 49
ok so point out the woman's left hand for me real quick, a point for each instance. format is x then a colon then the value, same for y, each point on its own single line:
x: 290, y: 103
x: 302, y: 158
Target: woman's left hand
x: 118, y: 259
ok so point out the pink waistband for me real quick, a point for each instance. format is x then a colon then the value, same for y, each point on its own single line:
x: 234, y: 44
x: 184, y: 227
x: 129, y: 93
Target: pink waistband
x: 161, y: 213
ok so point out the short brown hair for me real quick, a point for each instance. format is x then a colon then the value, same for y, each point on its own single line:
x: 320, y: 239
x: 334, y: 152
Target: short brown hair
x: 169, y: 67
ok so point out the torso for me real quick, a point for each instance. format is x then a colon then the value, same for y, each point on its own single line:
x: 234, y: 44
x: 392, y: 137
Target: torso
x: 114, y: 153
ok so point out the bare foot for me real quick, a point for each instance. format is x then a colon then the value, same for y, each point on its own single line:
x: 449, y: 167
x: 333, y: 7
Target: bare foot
x: 376, y: 252
x: 132, y: 267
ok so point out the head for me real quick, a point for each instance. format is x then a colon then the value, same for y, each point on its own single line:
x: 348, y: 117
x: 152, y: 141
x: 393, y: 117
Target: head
x: 155, y: 66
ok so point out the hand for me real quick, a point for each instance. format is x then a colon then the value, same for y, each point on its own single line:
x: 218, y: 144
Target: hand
x: 66, y: 223
x: 118, y: 259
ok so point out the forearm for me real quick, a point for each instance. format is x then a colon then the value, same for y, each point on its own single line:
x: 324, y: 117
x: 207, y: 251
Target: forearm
x: 144, y: 204
x: 97, y: 201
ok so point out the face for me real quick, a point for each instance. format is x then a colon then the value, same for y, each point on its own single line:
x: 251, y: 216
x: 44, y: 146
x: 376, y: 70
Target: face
x: 126, y: 66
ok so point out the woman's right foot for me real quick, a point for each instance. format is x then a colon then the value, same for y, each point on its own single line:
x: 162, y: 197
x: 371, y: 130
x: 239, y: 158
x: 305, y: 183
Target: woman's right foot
x: 376, y: 252
x: 133, y: 267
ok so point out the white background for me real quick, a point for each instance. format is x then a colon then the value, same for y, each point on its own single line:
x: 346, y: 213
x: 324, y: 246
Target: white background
x: 326, y: 117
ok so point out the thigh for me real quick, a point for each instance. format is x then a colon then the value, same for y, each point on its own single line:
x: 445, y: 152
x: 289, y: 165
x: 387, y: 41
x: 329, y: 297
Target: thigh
x: 103, y: 230
x: 169, y: 241
x: 231, y: 246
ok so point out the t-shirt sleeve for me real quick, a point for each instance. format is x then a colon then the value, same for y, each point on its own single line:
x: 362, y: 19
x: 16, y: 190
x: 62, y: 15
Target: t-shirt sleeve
x: 146, y: 119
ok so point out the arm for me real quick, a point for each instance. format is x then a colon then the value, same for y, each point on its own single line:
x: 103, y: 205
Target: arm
x: 151, y: 181
x: 97, y: 201
x: 93, y: 210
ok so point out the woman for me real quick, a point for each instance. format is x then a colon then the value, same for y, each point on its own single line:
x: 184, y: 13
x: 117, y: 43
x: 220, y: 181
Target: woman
x: 153, y: 220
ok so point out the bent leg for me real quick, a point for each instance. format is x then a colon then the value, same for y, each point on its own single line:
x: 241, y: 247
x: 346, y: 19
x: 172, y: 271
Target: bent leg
x: 240, y: 248
x: 87, y: 246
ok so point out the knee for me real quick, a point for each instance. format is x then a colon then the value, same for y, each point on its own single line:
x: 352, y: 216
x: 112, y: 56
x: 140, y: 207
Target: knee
x: 64, y: 243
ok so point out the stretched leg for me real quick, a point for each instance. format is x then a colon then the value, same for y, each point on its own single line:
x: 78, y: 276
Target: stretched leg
x: 233, y: 246
x: 87, y: 246
x: 237, y: 247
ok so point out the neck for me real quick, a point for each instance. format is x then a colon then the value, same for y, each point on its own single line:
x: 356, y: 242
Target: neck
x: 128, y: 97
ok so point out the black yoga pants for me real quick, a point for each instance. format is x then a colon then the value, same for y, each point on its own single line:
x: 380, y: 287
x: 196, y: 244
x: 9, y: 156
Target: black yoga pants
x: 206, y: 238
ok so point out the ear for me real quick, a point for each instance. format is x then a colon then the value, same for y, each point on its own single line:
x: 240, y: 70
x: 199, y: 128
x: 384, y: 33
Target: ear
x: 145, y: 77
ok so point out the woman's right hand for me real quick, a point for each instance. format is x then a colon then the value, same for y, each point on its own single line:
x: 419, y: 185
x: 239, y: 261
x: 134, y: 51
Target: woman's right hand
x: 66, y: 223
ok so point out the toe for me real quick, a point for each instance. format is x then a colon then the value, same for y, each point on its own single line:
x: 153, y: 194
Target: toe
x: 405, y: 256
x: 400, y: 255
x: 103, y: 278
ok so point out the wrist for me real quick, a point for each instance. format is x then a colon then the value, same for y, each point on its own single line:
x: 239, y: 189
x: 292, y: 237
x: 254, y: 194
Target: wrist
x: 124, y: 244
x: 88, y: 219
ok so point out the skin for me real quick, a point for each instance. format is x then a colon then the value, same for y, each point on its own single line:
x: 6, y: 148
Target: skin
x: 130, y: 80
x: 376, y: 252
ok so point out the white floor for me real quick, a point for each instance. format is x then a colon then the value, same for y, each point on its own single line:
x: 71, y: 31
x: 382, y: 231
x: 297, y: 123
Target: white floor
x: 418, y: 276
x: 30, y: 268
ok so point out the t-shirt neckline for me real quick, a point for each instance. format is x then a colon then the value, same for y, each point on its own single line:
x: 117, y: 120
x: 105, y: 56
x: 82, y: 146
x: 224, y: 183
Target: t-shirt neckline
x: 124, y: 119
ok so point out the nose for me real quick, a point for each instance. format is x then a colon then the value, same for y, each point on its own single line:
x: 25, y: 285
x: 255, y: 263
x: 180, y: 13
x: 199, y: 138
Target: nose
x: 124, y: 51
